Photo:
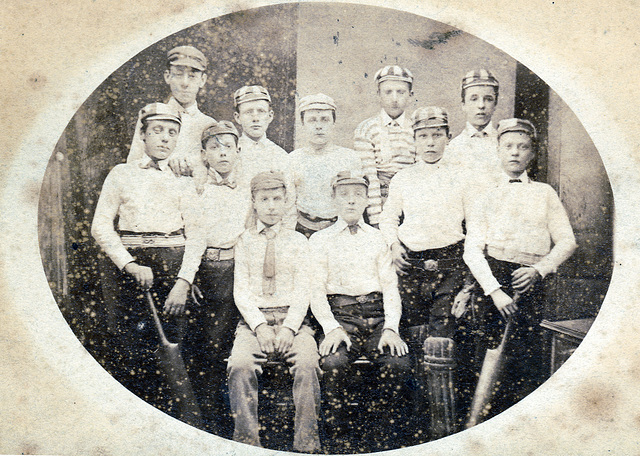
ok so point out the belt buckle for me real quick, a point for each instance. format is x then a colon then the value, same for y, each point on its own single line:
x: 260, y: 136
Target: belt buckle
x: 213, y: 254
x: 362, y: 299
x: 430, y: 265
x: 147, y: 240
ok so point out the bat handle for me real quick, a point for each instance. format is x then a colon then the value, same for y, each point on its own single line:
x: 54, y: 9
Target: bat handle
x: 156, y: 319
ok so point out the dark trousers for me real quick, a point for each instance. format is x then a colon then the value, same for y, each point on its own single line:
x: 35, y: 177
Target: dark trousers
x: 525, y: 368
x: 364, y: 324
x: 135, y: 335
x: 208, y: 343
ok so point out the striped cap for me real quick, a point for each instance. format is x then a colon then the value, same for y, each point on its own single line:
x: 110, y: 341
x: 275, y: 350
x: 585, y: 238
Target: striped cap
x: 479, y: 77
x: 219, y: 128
x: 159, y: 111
x: 350, y: 177
x: 267, y: 180
x: 317, y: 101
x: 393, y: 73
x: 519, y: 125
x: 250, y: 93
x: 431, y: 116
x: 188, y: 56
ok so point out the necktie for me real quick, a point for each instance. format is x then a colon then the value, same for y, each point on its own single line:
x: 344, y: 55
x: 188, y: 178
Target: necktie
x: 479, y: 134
x: 226, y: 182
x: 515, y: 181
x: 353, y: 229
x: 269, y: 268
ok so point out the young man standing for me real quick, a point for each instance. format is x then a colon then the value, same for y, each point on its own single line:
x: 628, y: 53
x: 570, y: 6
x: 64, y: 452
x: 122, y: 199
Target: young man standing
x: 185, y: 75
x: 519, y: 235
x: 271, y: 290
x: 257, y: 152
x: 476, y: 147
x: 385, y: 142
x: 315, y: 165
x: 155, y: 210
x: 356, y: 301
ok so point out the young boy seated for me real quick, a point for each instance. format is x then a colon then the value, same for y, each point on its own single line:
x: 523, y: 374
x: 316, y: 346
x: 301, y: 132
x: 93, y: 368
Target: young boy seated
x: 257, y: 152
x: 356, y: 301
x: 518, y: 236
x: 475, y: 148
x: 185, y: 75
x: 271, y: 290
x: 385, y: 141
x: 224, y: 207
x: 153, y: 208
x: 315, y: 165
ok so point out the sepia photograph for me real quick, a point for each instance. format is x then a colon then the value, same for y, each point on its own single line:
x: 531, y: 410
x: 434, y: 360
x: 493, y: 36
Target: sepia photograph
x: 322, y: 228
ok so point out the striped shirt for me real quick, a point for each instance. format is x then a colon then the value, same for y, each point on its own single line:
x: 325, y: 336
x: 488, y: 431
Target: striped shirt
x: 385, y: 146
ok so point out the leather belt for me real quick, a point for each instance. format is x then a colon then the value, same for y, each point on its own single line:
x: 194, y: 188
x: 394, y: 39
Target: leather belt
x: 437, y: 265
x: 152, y: 240
x: 215, y: 254
x: 340, y: 300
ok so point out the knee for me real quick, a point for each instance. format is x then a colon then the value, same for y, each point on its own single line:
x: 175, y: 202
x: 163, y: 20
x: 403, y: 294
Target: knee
x: 334, y: 362
x: 242, y: 363
x: 396, y: 366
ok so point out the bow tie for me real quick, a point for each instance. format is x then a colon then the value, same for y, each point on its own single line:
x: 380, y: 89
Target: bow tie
x: 226, y: 182
x: 353, y: 229
x: 479, y: 134
x: 152, y: 165
x: 515, y: 181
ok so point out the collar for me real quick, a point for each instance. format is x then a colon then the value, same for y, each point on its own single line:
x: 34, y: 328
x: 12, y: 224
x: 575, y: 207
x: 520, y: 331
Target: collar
x: 191, y: 110
x: 215, y: 177
x: 244, y: 139
x: 423, y: 166
x: 524, y: 177
x: 145, y: 163
x: 490, y: 130
x: 261, y: 226
x: 401, y: 119
x: 341, y: 225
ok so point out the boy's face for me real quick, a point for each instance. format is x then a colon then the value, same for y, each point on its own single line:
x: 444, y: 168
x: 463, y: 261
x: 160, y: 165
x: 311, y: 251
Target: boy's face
x: 350, y: 200
x: 254, y: 117
x: 221, y: 153
x: 160, y: 138
x: 185, y: 82
x: 430, y: 143
x: 515, y: 150
x: 394, y: 97
x: 270, y: 205
x: 318, y: 124
x: 479, y: 104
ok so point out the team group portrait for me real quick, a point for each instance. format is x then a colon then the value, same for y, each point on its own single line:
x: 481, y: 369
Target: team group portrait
x: 327, y: 229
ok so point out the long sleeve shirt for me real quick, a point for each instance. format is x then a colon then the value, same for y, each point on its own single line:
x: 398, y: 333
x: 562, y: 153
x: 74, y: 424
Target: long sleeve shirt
x: 354, y: 265
x: 189, y: 145
x: 222, y: 215
x: 433, y: 200
x: 264, y: 155
x: 385, y: 145
x: 313, y: 173
x: 145, y: 200
x: 516, y: 221
x: 475, y: 151
x: 291, y: 276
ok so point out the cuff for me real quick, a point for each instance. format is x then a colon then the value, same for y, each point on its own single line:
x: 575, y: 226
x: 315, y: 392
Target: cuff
x: 328, y: 327
x: 542, y: 270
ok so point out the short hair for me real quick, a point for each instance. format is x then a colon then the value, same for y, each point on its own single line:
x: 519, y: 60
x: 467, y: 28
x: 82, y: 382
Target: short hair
x: 206, y: 140
x: 333, y: 113
x: 145, y: 123
x: 415, y: 131
x: 495, y: 89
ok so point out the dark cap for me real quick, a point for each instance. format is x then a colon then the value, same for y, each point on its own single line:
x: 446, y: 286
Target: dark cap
x: 159, y: 111
x: 519, y: 125
x: 219, y: 128
x: 431, y: 116
x: 267, y: 180
x: 478, y: 78
x: 250, y: 93
x: 187, y: 56
x: 350, y: 177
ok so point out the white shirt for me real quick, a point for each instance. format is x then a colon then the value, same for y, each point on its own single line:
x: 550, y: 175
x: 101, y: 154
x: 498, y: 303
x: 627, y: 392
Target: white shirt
x: 146, y: 200
x: 313, y: 173
x: 264, y: 155
x: 223, y: 213
x: 475, y: 151
x: 432, y: 199
x: 189, y: 142
x: 352, y: 265
x: 291, y: 278
x: 518, y: 218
